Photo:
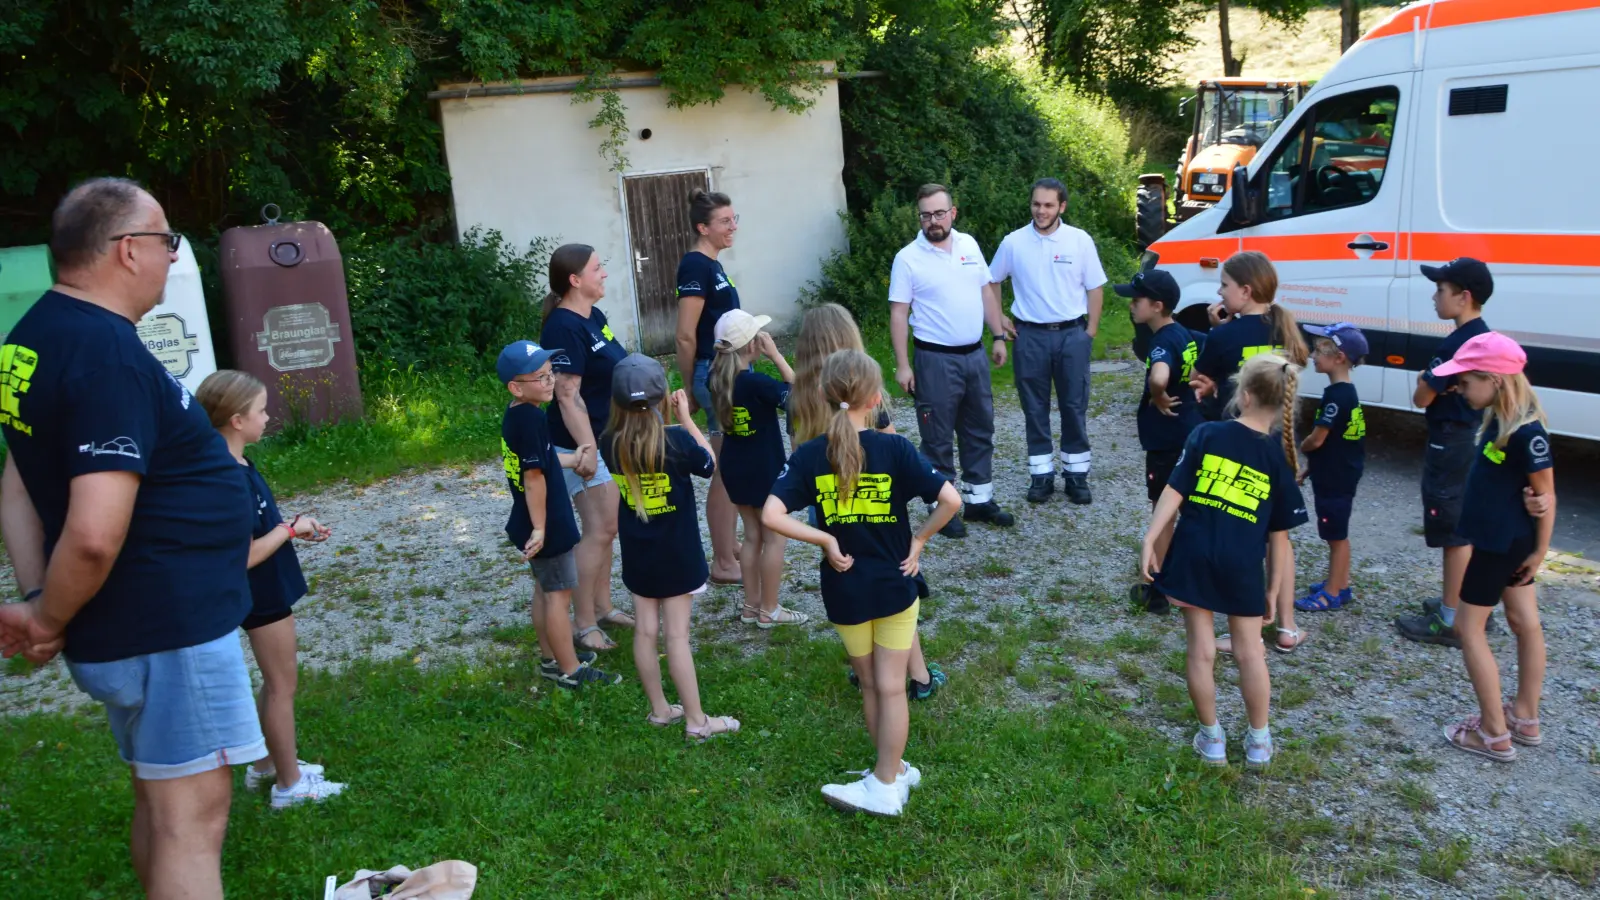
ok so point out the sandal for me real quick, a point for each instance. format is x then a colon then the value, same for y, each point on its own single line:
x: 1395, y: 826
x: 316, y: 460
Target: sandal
x: 714, y: 726
x: 1458, y: 734
x: 581, y: 639
x: 1298, y: 638
x: 675, y: 718
x: 781, y: 616
x: 1318, y: 600
x: 1516, y: 724
x: 618, y: 618
x: 749, y: 615
x: 725, y: 581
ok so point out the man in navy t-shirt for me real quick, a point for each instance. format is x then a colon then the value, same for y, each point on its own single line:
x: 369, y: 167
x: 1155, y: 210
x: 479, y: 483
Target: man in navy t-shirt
x: 128, y: 524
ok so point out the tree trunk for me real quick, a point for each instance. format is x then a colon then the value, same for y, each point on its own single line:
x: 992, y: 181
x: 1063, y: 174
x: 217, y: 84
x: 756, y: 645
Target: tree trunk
x: 1230, y: 67
x: 1349, y: 23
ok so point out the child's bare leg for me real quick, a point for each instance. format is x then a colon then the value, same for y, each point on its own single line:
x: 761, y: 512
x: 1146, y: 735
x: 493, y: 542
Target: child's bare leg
x: 1455, y: 572
x: 676, y: 612
x: 1251, y: 657
x: 869, y: 692
x: 1471, y: 620
x: 1522, y: 614
x: 916, y: 662
x: 894, y: 711
x: 536, y: 613
x: 555, y: 632
x: 1338, y: 567
x: 646, y: 633
x: 771, y: 562
x: 750, y: 557
x: 1200, y: 667
x: 1282, y: 593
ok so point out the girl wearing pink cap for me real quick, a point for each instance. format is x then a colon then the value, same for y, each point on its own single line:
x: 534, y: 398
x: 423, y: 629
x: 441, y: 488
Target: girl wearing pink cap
x: 1508, y: 544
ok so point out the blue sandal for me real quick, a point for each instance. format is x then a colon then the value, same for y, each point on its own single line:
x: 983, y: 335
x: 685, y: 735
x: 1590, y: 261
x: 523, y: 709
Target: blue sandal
x: 1320, y: 600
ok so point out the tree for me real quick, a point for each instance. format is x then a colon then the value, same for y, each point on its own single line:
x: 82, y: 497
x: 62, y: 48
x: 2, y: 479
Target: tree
x: 1349, y: 24
x: 1284, y: 12
x: 1118, y: 47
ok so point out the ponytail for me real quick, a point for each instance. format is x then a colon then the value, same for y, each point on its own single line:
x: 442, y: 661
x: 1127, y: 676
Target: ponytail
x: 702, y: 204
x: 850, y: 380
x: 1286, y: 334
x: 725, y: 368
x: 639, y: 445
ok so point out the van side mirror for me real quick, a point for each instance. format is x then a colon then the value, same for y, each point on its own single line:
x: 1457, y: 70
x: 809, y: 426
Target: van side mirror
x: 1246, y: 209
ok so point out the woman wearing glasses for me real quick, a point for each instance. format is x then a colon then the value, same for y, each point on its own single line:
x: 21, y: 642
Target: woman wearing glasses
x: 705, y: 292
x: 586, y: 352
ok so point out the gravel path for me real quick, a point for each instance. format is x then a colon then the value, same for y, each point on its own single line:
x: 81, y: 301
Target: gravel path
x: 419, y: 566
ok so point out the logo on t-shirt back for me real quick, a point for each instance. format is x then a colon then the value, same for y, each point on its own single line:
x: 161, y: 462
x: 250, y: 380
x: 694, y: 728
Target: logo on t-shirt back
x: 1357, y: 429
x: 1231, y: 487
x: 17, y: 365
x: 870, y: 502
x: 655, y: 486
x: 741, y: 423
x: 513, y: 465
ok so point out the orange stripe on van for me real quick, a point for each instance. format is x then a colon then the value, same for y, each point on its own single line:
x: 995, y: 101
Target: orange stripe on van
x: 1302, y: 247
x: 1504, y: 249
x: 1192, y: 251
x: 1449, y: 13
x: 1510, y: 249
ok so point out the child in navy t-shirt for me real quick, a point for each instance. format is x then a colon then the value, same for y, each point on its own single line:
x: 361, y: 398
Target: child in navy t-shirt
x: 1335, y: 454
x: 236, y: 403
x: 663, y: 561
x: 1235, y: 487
x: 746, y: 403
x: 1508, y: 544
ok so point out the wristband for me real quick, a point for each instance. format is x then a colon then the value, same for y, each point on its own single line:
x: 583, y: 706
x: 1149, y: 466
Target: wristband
x: 289, y: 527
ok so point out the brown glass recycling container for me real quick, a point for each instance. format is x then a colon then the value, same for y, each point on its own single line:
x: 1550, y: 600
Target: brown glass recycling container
x: 288, y: 318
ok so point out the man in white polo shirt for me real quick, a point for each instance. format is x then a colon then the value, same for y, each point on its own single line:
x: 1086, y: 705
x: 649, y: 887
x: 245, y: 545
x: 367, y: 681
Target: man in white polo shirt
x: 939, y: 287
x: 1059, y: 286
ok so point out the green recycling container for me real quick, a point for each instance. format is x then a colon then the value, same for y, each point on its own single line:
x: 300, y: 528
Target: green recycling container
x: 24, y: 276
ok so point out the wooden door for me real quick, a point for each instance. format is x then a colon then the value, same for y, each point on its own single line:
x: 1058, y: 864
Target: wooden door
x: 659, y: 234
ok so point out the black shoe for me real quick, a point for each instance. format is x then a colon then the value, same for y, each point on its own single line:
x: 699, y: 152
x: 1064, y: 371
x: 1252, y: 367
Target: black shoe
x: 1147, y: 598
x: 1076, y: 487
x: 549, y: 668
x: 988, y: 512
x: 1432, y: 605
x: 1040, y: 488
x: 1428, y: 629
x: 954, y: 528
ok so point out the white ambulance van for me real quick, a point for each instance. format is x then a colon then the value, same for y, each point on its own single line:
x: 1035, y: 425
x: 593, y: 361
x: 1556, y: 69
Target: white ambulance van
x: 1455, y: 128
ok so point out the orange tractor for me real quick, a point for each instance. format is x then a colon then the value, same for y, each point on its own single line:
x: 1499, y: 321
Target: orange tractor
x: 1233, y: 117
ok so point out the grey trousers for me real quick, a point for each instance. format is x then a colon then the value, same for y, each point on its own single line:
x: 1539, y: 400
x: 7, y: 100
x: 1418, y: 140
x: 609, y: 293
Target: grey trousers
x: 1042, y: 357
x: 955, y: 401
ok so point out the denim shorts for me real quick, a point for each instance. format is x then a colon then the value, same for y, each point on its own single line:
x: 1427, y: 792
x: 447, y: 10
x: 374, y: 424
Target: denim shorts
x: 575, y: 483
x: 555, y: 573
x: 702, y: 395
x: 179, y: 712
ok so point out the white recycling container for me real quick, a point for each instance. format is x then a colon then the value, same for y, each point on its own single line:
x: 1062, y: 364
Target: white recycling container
x: 177, y: 330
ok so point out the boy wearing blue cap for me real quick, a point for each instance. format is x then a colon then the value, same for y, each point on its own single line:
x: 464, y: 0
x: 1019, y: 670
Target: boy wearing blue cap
x: 542, y: 524
x: 1335, y: 455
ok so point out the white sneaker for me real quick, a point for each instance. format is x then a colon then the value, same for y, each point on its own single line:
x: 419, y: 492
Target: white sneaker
x: 869, y: 795
x: 1212, y: 751
x: 1257, y: 756
x: 312, y: 788
x: 909, y: 775
x: 255, y: 780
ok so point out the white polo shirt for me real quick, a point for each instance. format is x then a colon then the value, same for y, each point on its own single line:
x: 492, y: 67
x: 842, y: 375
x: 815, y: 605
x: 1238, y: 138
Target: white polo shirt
x: 1051, y: 274
x: 944, y: 288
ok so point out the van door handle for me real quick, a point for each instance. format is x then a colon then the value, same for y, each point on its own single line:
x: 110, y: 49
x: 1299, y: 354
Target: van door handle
x: 1367, y: 245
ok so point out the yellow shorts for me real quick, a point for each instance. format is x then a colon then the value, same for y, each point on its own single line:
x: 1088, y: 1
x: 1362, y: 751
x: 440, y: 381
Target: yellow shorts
x: 894, y: 632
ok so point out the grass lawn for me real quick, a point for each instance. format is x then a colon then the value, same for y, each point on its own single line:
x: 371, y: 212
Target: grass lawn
x: 561, y: 795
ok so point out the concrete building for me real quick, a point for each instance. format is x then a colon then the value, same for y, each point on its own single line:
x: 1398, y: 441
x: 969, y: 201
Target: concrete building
x: 528, y: 165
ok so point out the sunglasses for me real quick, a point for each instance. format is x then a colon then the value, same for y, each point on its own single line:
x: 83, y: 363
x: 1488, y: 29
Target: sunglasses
x: 172, y: 237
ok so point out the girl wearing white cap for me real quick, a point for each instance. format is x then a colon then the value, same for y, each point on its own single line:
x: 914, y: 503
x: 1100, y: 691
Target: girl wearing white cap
x: 745, y: 403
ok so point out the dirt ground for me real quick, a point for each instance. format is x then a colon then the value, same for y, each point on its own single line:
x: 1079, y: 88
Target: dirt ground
x: 419, y: 566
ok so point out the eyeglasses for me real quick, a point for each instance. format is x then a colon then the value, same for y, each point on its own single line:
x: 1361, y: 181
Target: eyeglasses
x: 938, y: 215
x: 547, y: 378
x: 725, y: 221
x: 173, y: 238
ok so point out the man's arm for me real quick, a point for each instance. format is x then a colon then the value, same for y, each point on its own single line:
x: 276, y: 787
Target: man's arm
x: 21, y: 529
x: 900, y: 337
x: 1097, y: 300
x: 688, y: 321
x: 99, y: 510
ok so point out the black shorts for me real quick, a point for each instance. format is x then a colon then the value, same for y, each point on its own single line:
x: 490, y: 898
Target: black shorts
x: 1158, y: 466
x: 1333, y: 516
x: 1490, y: 573
x: 258, y: 619
x: 1445, y: 464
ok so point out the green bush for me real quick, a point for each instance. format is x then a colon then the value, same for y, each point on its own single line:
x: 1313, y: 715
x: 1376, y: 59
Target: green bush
x: 430, y: 306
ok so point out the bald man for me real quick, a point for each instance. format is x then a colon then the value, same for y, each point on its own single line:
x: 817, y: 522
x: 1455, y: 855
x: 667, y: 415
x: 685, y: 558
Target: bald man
x: 128, y: 524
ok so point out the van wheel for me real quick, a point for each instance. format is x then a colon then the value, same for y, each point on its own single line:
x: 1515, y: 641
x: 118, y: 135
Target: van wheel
x: 1150, y: 216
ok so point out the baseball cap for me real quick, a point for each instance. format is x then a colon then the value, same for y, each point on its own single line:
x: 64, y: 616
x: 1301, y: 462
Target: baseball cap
x: 1346, y: 337
x: 1466, y: 273
x: 1491, y: 352
x: 520, y: 358
x: 1154, y: 284
x: 638, y: 381
x: 735, y: 328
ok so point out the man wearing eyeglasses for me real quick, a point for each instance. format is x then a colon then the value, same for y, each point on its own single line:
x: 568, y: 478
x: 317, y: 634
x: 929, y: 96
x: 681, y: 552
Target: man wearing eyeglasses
x: 938, y: 288
x: 128, y: 525
x: 1059, y: 286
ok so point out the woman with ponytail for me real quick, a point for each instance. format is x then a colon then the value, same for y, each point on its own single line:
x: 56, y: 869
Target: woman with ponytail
x: 1235, y: 486
x: 861, y: 481
x: 663, y: 562
x: 586, y: 351
x: 1246, y: 322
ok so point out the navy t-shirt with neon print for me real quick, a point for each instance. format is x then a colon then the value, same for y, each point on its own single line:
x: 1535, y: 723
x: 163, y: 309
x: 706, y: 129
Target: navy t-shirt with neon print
x: 1492, y: 514
x: 872, y: 526
x: 1224, y: 353
x: 1237, y: 488
x: 752, y: 449
x: 1337, y: 465
x: 589, y: 350
x: 663, y: 557
x: 701, y: 276
x: 1451, y: 406
x: 525, y: 445
x: 1176, y: 346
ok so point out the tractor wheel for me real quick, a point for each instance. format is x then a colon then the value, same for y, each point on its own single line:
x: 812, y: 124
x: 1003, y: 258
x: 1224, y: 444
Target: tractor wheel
x: 1150, y: 216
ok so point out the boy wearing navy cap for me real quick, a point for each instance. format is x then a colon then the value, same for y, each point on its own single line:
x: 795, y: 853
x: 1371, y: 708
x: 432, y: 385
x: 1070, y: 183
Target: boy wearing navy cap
x: 1335, y: 455
x: 1168, y: 410
x: 542, y: 524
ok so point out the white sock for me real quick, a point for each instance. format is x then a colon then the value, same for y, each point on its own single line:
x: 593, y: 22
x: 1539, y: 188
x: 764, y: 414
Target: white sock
x: 288, y: 788
x: 1448, y: 613
x: 1261, y: 735
x: 1212, y: 731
